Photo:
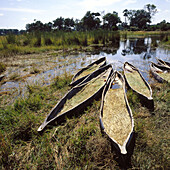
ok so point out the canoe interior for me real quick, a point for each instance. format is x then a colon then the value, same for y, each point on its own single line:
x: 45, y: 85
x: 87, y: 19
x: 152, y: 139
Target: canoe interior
x: 80, y: 75
x: 163, y: 63
x: 160, y: 73
x: 117, y: 118
x: 136, y: 81
x: 89, y: 70
x: 87, y: 91
x: 79, y: 97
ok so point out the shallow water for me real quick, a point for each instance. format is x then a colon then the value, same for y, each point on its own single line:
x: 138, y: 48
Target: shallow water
x: 137, y: 51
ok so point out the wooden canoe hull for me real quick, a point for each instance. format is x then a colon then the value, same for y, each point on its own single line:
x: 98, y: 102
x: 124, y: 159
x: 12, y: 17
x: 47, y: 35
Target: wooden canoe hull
x: 53, y: 115
x: 163, y: 63
x: 128, y: 143
x: 154, y: 68
x: 144, y: 100
x: 75, y: 82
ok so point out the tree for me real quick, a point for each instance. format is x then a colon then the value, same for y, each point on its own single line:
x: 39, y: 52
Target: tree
x: 36, y: 26
x: 69, y: 24
x: 91, y: 21
x: 164, y: 26
x: 59, y: 23
x: 151, y: 8
x: 142, y: 17
x: 111, y: 20
x: 48, y: 26
x: 125, y: 14
x: 78, y: 25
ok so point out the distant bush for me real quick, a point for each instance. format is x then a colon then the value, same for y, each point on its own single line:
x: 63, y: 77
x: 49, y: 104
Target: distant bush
x: 11, y: 39
x: 37, y: 43
x: 26, y: 42
x: 47, y: 41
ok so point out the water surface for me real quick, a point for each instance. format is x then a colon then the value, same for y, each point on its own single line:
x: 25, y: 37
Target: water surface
x: 138, y: 51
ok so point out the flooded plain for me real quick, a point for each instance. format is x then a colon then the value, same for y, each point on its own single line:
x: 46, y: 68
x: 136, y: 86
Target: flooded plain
x: 41, y: 69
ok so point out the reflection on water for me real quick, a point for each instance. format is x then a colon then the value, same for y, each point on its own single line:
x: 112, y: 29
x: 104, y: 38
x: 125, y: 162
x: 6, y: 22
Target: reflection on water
x: 138, y: 51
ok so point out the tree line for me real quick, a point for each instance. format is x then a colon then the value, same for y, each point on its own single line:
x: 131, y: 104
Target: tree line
x: 91, y: 21
x: 134, y: 20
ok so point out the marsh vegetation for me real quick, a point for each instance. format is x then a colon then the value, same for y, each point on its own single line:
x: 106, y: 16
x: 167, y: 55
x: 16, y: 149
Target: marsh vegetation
x: 78, y: 142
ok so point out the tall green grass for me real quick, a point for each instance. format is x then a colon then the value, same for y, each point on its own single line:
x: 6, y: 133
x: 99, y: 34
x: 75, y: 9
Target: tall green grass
x: 43, y: 41
x: 78, y: 143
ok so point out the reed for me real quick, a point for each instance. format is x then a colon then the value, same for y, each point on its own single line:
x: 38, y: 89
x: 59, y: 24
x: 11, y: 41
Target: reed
x: 43, y: 41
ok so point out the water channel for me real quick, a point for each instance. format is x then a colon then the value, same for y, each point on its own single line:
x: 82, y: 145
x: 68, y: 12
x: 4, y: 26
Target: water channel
x: 138, y: 51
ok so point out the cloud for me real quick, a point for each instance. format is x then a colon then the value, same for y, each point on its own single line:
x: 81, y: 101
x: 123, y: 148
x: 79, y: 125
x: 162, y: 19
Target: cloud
x: 27, y: 10
x: 98, y: 3
x: 1, y: 14
x: 159, y: 10
x: 167, y: 11
x: 130, y: 2
x: 24, y: 19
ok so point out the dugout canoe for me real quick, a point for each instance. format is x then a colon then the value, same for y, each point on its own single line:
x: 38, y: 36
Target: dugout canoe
x: 79, y: 97
x: 135, y: 81
x: 116, y: 119
x: 160, y: 73
x: 84, y: 72
x: 163, y: 63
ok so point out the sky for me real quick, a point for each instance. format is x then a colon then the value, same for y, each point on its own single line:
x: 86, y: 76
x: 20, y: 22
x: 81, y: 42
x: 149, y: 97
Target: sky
x: 15, y: 14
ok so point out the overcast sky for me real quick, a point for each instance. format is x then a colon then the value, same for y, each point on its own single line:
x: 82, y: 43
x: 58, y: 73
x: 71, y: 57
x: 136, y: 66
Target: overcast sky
x: 17, y: 13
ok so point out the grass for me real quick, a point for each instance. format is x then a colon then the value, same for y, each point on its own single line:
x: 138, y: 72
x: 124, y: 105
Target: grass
x: 164, y: 37
x: 15, y: 77
x: 29, y: 43
x: 142, y: 33
x: 166, y: 41
x: 11, y: 45
x: 152, y: 131
x: 78, y: 143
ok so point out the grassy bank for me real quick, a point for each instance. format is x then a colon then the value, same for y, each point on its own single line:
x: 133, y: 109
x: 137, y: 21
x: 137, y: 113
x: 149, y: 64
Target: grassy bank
x: 39, y: 42
x: 164, y: 37
x: 143, y: 33
x: 44, y: 41
x: 78, y: 143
